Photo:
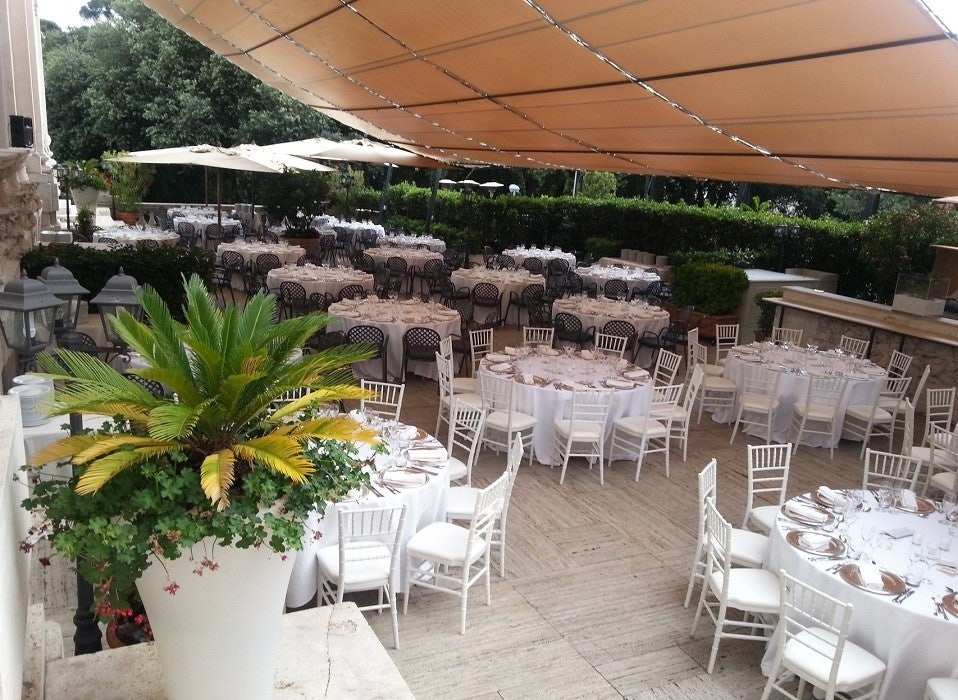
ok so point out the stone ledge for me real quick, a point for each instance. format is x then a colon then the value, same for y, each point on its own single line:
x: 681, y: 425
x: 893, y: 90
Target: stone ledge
x: 325, y: 652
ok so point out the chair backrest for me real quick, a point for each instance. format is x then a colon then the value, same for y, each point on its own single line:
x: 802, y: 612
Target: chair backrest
x: 719, y: 541
x: 266, y: 262
x: 445, y: 347
x: 939, y: 406
x: 616, y: 289
x: 396, y: 265
x: 293, y: 295
x: 663, y: 400
x: 496, y: 393
x: 853, y: 346
x: 532, y: 294
x: 908, y: 431
x: 512, y: 471
x: 465, y: 428
x: 480, y: 344
x: 899, y: 363
x: 815, y: 622
x: 708, y: 479
x: 352, y: 291
x: 726, y: 338
x: 485, y: 294
x: 489, y: 505
x: 532, y: 336
x: 826, y: 391
x: 893, y: 389
x: 695, y: 385
x: 533, y: 265
x: 666, y: 367
x: 792, y: 336
x: 231, y: 260
x: 611, y: 344
x: 920, y: 386
x: 760, y: 381
x: 370, y: 534
x: 567, y: 326
x: 591, y: 406
x: 768, y: 467
x: 370, y: 335
x: 883, y: 468
x: 420, y: 342
x: 385, y: 399
x: 445, y: 373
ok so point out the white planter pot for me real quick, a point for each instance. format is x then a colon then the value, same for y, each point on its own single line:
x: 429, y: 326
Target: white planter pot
x: 218, y: 635
x: 85, y: 197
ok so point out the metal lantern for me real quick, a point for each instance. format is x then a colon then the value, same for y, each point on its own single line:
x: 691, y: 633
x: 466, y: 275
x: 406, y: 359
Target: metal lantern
x: 61, y: 282
x: 32, y: 306
x: 119, y: 292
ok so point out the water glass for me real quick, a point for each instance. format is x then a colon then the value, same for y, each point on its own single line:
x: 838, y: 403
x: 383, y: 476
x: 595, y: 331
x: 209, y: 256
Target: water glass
x: 932, y: 553
x: 916, y: 574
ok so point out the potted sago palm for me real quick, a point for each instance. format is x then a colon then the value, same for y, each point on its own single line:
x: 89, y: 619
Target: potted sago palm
x: 198, y: 496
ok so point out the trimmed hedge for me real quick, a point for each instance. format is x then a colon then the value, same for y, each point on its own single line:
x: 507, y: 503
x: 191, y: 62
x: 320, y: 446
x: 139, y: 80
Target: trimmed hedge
x: 163, y: 268
x: 711, y: 288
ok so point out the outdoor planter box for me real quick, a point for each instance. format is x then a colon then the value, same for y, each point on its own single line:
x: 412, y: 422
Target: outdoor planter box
x: 704, y: 322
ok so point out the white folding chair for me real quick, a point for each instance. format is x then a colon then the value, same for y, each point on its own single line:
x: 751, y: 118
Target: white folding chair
x: 460, y: 385
x: 884, y: 468
x: 813, y: 644
x: 682, y: 415
x: 480, y: 345
x: 666, y: 367
x: 853, y: 346
x: 364, y: 559
x: 502, y: 422
x: 444, y: 370
x: 942, y: 461
x: 698, y: 355
x: 611, y: 344
x: 941, y: 689
x: 899, y: 363
x: 715, y: 392
x: 753, y: 592
x: 865, y: 421
x: 939, y: 407
x: 726, y: 338
x: 768, y: 467
x: 466, y: 422
x: 791, y: 336
x: 449, y: 558
x: 583, y: 433
x: 648, y: 434
x: 461, y: 503
x: 817, y: 414
x: 941, y: 464
x: 533, y: 336
x: 748, y: 549
x: 385, y: 400
x: 757, y: 400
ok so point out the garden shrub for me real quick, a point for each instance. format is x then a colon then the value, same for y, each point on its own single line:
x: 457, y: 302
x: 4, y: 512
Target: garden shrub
x: 603, y: 247
x: 711, y: 288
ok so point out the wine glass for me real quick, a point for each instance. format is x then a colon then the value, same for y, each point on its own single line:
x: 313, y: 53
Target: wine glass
x: 948, y: 505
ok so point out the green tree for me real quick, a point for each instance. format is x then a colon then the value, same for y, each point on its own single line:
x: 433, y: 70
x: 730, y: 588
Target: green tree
x: 597, y: 185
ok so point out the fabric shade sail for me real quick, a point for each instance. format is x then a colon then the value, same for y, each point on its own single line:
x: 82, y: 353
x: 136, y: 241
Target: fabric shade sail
x: 805, y: 92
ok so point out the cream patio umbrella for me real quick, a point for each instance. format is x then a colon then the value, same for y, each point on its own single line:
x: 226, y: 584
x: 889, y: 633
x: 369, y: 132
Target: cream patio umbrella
x: 247, y: 157
x: 356, y: 150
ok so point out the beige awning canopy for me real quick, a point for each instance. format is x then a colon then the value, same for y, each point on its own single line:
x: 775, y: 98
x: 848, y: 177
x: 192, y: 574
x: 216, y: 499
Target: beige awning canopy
x: 807, y: 92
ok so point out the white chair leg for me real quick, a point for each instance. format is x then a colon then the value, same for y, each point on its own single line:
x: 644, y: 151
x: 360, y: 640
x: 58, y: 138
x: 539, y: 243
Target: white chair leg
x: 395, y: 617
x: 462, y: 615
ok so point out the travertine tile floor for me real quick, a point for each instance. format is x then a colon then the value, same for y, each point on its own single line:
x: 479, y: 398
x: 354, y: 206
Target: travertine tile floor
x: 592, y: 604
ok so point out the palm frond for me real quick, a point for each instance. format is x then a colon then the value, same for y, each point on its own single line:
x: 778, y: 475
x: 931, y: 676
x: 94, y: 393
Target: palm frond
x: 111, y: 443
x: 63, y: 449
x: 277, y: 452
x: 105, y: 468
x: 340, y: 428
x: 216, y: 477
x: 315, y: 398
x: 173, y: 421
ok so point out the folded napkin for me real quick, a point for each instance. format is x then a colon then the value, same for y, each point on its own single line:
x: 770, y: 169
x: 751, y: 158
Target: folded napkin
x: 621, y: 364
x: 428, y: 454
x: 575, y: 386
x: 501, y: 367
x: 528, y: 378
x: 586, y: 354
x: 810, y: 514
x: 551, y: 352
x: 815, y: 543
x: 908, y: 500
x: 509, y: 350
x: 636, y: 374
x: 832, y: 496
x: 619, y: 383
x: 402, y: 477
x: 870, y: 576
x: 407, y: 433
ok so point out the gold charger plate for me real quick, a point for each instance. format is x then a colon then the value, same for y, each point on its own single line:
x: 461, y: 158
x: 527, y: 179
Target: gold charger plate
x: 950, y: 603
x: 536, y: 380
x: 799, y: 518
x: 892, y: 583
x: 834, y: 548
x: 923, y: 506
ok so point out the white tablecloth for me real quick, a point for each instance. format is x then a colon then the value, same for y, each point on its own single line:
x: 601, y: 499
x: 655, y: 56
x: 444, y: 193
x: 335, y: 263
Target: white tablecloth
x: 520, y: 254
x: 507, y: 281
x: 865, y: 380
x: 553, y: 400
x: 436, y: 245
x: 600, y: 274
x: 132, y: 236
x: 424, y: 505
x: 914, y: 643
x: 395, y: 318
x: 354, y: 226
x: 55, y: 237
x: 324, y: 280
x: 598, y: 312
x: 249, y: 251
x: 414, y: 257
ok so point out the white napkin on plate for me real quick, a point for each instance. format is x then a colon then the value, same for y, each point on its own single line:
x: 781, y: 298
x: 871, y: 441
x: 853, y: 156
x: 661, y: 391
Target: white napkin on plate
x: 501, y: 367
x: 814, y: 542
x: 871, y: 576
x: 621, y: 364
x: 401, y: 477
x: 811, y: 514
x: 509, y: 350
x: 908, y: 499
x: 528, y: 378
x: 575, y: 386
x: 832, y: 496
x: 428, y: 454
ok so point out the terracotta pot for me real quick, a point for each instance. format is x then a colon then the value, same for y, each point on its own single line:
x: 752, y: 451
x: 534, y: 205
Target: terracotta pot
x: 306, y: 244
x: 112, y: 639
x: 127, y: 217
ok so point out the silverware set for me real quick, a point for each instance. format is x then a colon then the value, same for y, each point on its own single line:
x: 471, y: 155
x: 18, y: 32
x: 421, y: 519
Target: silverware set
x: 939, y: 608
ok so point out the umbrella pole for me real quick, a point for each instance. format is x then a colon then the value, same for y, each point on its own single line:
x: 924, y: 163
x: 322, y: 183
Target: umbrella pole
x: 385, y: 194
x: 206, y: 186
x: 219, y: 198
x: 432, y: 199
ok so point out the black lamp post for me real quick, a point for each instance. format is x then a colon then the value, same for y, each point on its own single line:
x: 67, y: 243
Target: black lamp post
x: 62, y: 284
x: 29, y: 330
x: 119, y: 292
x: 347, y: 180
x: 64, y: 183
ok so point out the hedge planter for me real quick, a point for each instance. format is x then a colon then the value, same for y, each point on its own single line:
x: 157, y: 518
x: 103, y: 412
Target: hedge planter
x: 704, y: 322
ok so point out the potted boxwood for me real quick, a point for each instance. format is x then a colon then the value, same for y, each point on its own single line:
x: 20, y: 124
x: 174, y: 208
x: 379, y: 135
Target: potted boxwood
x: 766, y: 313
x: 85, y: 182
x: 714, y: 290
x: 127, y: 182
x: 198, y: 497
x: 300, y: 232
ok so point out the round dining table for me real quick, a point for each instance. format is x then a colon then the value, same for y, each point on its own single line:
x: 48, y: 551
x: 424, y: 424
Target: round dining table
x: 635, y: 277
x: 132, y: 236
x: 796, y: 366
x: 508, y: 282
x: 899, y: 623
x: 419, y: 481
x: 436, y: 245
x: 414, y: 257
x: 250, y: 251
x: 520, y: 253
x: 316, y: 279
x: 394, y: 318
x: 598, y: 312
x: 545, y: 380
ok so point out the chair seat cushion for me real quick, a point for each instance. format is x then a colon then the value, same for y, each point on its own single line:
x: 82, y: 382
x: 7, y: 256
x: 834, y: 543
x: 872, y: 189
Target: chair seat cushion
x: 714, y: 383
x: 713, y: 370
x: 811, y: 652
x: 758, y: 403
x: 765, y: 516
x: 863, y: 412
x: 581, y: 430
x: 639, y: 425
x: 370, y: 566
x: 748, y: 548
x: 457, y: 469
x: 945, y: 481
x: 445, y: 543
x: 473, y: 400
x: 816, y: 411
x: 942, y: 688
x: 461, y: 502
x: 464, y: 385
x: 499, y: 420
x: 754, y: 590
